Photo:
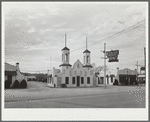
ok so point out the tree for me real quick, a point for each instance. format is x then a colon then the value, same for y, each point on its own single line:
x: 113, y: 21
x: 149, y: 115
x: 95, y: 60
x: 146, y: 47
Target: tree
x: 41, y: 77
x: 99, y: 69
x: 16, y: 84
x: 23, y: 84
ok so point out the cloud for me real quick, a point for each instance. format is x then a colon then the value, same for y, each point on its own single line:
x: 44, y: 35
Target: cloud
x: 37, y: 31
x: 43, y: 31
x: 59, y: 25
x: 31, y: 30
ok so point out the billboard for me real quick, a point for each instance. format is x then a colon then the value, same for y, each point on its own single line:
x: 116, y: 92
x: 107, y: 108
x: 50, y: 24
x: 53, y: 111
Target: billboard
x: 112, y: 55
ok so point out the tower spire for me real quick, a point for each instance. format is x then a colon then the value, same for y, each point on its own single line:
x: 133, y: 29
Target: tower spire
x: 65, y: 39
x: 86, y: 42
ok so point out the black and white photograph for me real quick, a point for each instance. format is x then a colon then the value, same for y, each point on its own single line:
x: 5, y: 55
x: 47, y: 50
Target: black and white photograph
x: 74, y: 60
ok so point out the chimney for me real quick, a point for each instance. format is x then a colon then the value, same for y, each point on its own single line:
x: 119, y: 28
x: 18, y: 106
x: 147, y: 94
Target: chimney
x: 17, y: 66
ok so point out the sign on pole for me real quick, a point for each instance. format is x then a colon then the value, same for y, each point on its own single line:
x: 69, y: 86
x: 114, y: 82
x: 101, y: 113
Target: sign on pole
x: 112, y: 55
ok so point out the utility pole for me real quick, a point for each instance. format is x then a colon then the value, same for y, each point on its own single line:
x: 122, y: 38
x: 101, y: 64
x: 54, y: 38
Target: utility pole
x: 105, y: 64
x: 137, y: 66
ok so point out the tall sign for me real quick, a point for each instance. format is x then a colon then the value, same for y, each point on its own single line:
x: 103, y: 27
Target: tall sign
x: 112, y: 55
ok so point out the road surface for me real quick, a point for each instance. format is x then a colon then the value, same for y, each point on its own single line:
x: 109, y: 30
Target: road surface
x: 39, y: 95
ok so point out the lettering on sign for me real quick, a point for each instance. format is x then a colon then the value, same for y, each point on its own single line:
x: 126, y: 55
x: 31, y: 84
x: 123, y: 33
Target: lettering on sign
x: 112, y: 55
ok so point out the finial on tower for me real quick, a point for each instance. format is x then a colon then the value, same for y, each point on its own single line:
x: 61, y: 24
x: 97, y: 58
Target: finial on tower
x: 65, y: 39
x: 86, y: 42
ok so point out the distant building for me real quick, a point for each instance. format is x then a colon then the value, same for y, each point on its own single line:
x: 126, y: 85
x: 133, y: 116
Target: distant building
x: 109, y: 79
x: 141, y: 77
x: 142, y: 70
x: 127, y: 76
x: 80, y: 75
x: 13, y: 73
x: 31, y: 78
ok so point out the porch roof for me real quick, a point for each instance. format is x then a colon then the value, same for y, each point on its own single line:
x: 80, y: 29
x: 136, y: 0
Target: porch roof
x: 14, y: 73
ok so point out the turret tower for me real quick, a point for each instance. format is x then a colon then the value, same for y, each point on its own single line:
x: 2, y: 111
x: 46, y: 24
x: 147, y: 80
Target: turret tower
x: 65, y: 55
x: 86, y: 57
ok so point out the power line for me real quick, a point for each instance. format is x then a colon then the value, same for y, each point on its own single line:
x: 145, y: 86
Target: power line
x: 135, y: 26
x: 116, y: 34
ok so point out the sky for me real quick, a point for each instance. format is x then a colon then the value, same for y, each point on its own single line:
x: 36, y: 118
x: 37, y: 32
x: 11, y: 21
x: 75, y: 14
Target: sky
x: 35, y: 33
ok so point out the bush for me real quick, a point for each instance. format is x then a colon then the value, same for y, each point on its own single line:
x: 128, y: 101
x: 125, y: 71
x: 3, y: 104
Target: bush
x: 7, y: 84
x: 23, y: 84
x: 115, y: 82
x: 16, y: 84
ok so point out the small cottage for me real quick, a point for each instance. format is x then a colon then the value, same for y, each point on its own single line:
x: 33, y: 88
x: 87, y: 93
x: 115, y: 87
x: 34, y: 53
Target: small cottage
x: 12, y: 73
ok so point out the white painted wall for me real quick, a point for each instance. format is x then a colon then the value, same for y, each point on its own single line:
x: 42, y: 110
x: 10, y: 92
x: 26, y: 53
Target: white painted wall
x: 77, y: 70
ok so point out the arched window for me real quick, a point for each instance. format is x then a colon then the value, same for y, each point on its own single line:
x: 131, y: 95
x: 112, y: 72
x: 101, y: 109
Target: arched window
x: 66, y: 57
x: 88, y: 59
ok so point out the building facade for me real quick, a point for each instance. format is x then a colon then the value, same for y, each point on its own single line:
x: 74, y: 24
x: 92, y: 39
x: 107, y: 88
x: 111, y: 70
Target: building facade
x: 12, y: 73
x: 80, y: 75
x: 31, y: 78
x: 127, y: 76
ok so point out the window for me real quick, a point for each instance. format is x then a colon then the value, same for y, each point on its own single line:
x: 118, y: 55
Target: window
x: 88, y: 80
x: 84, y: 59
x: 73, y: 80
x: 88, y: 59
x: 67, y: 67
x: 98, y: 81
x: 67, y: 80
x: 82, y: 80
x: 111, y: 79
x: 66, y: 57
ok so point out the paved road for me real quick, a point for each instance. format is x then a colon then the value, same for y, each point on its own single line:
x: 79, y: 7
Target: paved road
x: 38, y: 95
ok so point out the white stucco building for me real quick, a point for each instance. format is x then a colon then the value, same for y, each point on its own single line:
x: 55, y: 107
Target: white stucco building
x: 78, y: 75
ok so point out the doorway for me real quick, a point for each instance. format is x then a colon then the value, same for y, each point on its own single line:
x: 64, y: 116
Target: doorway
x: 78, y: 80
